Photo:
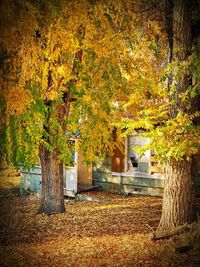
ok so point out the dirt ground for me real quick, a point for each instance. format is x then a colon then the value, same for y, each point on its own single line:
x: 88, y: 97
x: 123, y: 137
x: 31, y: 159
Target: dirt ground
x: 112, y: 232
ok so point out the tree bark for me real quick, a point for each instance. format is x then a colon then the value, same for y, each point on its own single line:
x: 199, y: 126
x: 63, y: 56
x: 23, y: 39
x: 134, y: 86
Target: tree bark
x: 178, y: 200
x: 52, y: 200
x: 179, y: 191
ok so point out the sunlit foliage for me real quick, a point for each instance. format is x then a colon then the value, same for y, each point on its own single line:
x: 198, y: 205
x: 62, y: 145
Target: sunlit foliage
x: 172, y: 123
x: 101, y: 53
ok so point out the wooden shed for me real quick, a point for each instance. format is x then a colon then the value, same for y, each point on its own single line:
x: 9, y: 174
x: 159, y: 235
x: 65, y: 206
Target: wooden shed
x: 125, y: 172
x: 128, y: 173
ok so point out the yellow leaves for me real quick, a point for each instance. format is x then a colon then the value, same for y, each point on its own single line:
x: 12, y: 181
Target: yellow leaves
x: 116, y: 63
x: 52, y: 95
x: 62, y: 70
x: 177, y: 138
x: 182, y: 119
x: 53, y: 50
x: 88, y: 100
x: 17, y: 100
x: 44, y: 78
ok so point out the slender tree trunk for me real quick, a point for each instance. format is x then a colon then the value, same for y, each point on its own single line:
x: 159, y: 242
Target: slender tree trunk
x: 178, y: 198
x: 52, y: 200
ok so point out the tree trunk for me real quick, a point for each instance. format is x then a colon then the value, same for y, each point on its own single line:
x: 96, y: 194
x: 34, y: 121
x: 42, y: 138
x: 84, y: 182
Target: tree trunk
x: 52, y: 200
x: 178, y: 200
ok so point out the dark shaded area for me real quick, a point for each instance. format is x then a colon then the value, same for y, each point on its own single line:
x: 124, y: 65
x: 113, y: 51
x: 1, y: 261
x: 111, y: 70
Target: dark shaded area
x: 13, y: 192
x: 134, y: 162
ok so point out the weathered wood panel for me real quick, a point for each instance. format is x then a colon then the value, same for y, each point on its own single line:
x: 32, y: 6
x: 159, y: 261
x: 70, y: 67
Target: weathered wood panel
x: 154, y: 166
x: 118, y: 160
x: 84, y: 171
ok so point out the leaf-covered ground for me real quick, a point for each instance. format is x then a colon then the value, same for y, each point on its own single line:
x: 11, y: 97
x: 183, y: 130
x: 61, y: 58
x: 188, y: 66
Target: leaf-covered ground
x: 113, y: 232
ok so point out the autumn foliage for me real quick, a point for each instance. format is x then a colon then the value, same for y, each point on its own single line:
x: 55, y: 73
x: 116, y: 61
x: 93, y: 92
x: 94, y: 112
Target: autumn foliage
x: 119, y: 69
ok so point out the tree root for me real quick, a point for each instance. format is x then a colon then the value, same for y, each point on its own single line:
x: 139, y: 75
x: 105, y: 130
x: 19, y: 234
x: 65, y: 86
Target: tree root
x: 166, y: 234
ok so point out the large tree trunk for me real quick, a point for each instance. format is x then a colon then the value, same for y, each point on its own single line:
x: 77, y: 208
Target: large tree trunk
x: 52, y: 200
x: 178, y: 199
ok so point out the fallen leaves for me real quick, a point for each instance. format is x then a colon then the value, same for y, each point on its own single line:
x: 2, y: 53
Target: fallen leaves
x: 98, y: 234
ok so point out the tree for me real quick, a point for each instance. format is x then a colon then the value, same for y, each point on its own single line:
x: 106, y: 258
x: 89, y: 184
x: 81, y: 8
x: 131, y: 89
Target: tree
x: 171, y: 119
x: 62, y: 51
x: 65, y: 51
x: 179, y: 192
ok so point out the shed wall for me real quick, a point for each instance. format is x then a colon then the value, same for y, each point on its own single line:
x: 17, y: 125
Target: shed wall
x: 130, y: 183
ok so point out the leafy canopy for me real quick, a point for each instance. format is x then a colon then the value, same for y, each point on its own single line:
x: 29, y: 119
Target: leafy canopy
x: 117, y: 79
x: 42, y: 66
